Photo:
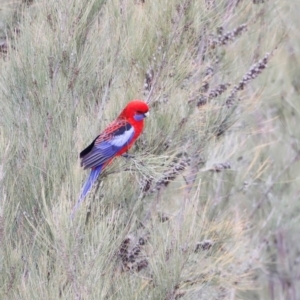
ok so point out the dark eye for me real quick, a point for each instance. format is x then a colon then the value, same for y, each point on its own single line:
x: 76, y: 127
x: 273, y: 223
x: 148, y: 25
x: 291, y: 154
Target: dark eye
x: 139, y: 112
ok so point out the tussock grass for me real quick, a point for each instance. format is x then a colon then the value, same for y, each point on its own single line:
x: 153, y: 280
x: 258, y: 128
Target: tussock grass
x: 207, y: 208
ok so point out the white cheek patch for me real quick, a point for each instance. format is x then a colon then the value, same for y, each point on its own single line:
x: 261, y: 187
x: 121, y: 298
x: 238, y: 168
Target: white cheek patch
x: 122, y: 139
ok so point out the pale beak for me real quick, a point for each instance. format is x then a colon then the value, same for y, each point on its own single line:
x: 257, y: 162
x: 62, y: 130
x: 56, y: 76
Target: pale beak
x: 146, y: 114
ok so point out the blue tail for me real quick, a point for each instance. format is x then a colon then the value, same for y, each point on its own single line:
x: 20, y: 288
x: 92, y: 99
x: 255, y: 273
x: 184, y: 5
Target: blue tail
x: 87, y: 186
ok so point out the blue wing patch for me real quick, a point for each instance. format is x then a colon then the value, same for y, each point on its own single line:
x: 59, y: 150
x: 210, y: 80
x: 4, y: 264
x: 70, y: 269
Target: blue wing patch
x: 104, y: 148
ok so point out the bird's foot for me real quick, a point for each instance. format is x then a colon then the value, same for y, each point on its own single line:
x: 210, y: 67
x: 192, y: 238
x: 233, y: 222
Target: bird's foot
x: 128, y: 156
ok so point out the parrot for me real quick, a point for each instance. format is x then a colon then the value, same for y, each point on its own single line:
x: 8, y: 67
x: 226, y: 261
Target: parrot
x: 115, y: 140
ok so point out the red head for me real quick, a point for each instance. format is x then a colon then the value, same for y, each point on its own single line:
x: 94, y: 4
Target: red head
x: 135, y: 111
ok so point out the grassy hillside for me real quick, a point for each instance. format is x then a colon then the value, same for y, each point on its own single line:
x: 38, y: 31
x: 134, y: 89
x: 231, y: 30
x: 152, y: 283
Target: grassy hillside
x: 208, y: 208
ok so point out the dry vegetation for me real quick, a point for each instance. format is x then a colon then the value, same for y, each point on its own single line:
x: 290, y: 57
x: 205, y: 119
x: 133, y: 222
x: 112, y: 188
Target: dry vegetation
x: 208, y: 208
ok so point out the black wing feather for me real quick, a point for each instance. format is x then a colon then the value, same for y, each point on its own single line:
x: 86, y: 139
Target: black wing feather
x: 88, y: 148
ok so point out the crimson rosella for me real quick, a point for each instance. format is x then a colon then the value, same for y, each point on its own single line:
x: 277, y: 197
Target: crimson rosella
x: 114, y: 141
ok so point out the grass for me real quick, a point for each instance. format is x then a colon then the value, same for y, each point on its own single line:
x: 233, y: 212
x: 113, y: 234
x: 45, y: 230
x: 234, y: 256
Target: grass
x: 208, y: 207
